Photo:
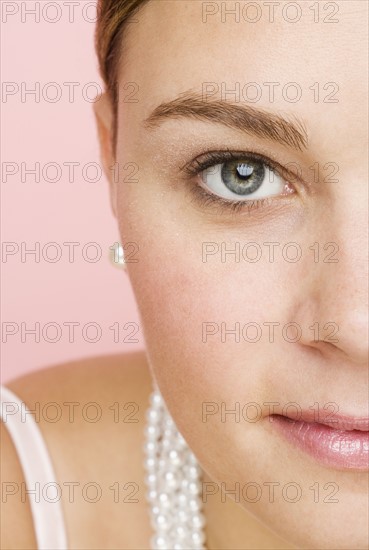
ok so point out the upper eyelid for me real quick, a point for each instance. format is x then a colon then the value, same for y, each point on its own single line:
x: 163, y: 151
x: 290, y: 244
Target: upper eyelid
x: 235, y: 155
x: 238, y: 155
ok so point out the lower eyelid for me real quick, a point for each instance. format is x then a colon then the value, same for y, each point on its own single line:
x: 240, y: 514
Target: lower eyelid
x: 204, y: 198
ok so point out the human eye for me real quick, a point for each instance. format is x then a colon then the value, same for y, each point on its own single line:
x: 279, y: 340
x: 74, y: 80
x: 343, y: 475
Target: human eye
x: 237, y: 180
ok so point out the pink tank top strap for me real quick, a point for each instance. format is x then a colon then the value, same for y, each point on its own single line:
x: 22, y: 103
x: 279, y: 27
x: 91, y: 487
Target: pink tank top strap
x: 37, y: 469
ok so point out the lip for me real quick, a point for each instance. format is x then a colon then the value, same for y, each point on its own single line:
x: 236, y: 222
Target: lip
x: 336, y: 421
x: 338, y: 441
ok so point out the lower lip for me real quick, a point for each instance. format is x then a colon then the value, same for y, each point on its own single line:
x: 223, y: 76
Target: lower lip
x: 340, y: 449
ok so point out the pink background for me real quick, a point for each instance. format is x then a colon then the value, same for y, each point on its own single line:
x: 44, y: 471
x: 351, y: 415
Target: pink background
x: 62, y: 211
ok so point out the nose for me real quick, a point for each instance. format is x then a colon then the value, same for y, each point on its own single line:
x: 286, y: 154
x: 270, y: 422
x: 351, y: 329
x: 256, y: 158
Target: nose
x: 333, y: 304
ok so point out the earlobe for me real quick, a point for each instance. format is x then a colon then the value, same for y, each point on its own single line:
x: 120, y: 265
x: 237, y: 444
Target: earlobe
x: 104, y: 121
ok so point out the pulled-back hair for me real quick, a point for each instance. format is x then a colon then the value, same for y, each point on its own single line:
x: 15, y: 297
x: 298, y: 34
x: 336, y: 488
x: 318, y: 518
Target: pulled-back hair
x: 112, y: 19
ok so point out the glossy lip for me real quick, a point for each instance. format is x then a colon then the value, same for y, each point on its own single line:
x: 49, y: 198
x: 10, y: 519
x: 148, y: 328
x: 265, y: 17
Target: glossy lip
x: 338, y: 441
x: 327, y: 418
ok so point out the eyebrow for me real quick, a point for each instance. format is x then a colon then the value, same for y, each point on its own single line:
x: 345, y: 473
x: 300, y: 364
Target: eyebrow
x: 248, y: 119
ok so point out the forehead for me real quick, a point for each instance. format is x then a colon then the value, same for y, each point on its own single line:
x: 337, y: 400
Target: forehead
x: 305, y: 59
x: 174, y: 45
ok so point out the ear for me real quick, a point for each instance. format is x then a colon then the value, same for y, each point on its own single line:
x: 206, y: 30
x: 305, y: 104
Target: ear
x: 104, y: 119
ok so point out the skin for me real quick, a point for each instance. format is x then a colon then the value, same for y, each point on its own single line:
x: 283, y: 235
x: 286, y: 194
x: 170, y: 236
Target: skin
x: 159, y: 215
x: 176, y: 291
x: 103, y: 453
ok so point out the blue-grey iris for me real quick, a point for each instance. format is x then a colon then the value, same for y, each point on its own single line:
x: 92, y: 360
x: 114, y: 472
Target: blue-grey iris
x: 243, y: 178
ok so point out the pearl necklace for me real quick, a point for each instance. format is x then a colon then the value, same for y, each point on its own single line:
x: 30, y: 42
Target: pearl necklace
x: 173, y: 480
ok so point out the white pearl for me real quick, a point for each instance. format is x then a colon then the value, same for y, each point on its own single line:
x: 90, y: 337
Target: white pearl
x: 198, y: 537
x: 193, y: 472
x: 152, y: 432
x: 152, y: 495
x: 165, y: 466
x: 194, y: 505
x: 153, y: 415
x: 198, y: 521
x: 160, y: 543
x: 182, y: 499
x: 173, y: 479
x: 150, y: 448
x: 181, y: 532
x: 150, y: 464
x: 156, y: 399
x: 174, y: 457
x: 169, y: 433
x: 180, y: 440
x: 166, y: 443
x: 161, y: 522
x: 193, y: 488
x: 163, y: 500
x: 169, y: 422
x: 182, y: 516
x: 151, y: 480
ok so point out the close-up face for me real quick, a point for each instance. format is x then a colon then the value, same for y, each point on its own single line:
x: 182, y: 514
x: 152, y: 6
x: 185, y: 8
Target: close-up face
x: 243, y: 184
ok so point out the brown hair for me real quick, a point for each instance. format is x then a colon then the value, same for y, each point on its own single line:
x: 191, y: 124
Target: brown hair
x: 112, y: 17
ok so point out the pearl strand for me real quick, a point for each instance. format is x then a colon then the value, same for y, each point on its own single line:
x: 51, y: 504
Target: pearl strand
x: 173, y: 480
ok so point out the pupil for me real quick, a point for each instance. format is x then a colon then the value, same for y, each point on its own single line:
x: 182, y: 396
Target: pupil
x: 243, y: 178
x: 244, y: 170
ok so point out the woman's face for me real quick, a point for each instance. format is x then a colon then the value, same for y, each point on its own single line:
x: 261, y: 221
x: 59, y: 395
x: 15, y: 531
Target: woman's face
x: 285, y: 321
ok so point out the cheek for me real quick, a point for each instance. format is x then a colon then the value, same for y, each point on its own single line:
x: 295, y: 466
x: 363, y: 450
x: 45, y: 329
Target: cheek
x: 183, y: 295
x: 179, y: 295
x: 182, y: 300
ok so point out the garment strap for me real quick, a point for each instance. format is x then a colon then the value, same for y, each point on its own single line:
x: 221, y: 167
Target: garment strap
x: 38, y: 471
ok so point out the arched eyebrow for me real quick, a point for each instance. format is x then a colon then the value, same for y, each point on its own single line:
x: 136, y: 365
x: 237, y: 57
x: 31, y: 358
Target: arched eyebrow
x: 243, y: 117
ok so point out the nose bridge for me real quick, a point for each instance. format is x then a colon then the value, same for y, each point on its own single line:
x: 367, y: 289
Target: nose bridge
x: 350, y: 272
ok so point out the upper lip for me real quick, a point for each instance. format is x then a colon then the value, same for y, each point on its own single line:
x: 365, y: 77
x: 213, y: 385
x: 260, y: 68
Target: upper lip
x: 328, y: 418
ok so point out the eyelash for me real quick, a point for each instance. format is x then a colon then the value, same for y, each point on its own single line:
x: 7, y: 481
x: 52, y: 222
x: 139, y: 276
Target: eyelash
x: 212, y: 158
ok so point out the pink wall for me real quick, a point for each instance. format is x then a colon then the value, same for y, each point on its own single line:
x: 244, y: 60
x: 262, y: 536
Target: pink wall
x: 41, y: 130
